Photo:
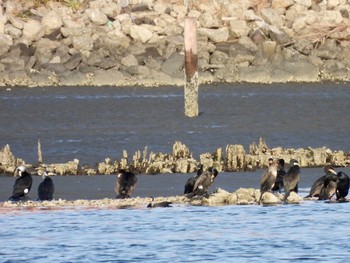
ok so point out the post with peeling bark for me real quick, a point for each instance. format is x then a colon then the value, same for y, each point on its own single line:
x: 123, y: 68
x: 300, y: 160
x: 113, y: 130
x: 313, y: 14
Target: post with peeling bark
x: 191, y: 71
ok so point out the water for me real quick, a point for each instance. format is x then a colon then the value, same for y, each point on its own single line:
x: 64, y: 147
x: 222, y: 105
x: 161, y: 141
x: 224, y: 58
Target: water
x: 91, y: 123
x: 308, y: 232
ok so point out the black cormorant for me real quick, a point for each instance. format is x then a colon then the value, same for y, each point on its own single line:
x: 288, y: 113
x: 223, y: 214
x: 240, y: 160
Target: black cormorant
x: 278, y: 186
x: 22, y: 185
x: 192, y: 180
x: 342, y: 186
x: 159, y: 204
x: 46, y: 188
x: 291, y: 179
x: 268, y: 179
x: 329, y: 187
x: 204, y: 182
x: 125, y: 184
x: 318, y: 184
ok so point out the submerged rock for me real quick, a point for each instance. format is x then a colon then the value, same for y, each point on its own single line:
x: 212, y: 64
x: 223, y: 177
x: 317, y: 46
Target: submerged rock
x: 294, y: 198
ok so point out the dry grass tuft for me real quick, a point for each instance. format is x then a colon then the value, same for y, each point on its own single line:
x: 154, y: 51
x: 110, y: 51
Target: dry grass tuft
x: 323, y: 32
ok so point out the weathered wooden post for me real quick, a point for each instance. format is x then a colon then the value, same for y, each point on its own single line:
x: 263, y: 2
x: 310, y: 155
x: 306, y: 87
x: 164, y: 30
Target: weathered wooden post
x: 40, y: 156
x: 191, y: 71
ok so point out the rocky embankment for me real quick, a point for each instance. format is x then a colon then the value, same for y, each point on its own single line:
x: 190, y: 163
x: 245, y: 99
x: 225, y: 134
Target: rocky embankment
x: 234, y: 158
x: 140, y: 42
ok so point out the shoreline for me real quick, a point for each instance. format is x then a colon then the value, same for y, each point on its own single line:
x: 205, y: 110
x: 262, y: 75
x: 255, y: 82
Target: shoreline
x: 242, y: 196
x: 97, y: 191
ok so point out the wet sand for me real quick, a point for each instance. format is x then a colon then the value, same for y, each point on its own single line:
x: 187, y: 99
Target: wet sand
x: 163, y: 185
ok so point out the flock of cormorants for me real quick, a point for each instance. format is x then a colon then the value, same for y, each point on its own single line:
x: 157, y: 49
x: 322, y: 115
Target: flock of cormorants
x: 324, y: 188
x: 275, y: 178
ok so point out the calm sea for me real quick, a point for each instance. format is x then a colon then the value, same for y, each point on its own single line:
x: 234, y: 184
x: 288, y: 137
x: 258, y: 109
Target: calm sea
x: 91, y: 124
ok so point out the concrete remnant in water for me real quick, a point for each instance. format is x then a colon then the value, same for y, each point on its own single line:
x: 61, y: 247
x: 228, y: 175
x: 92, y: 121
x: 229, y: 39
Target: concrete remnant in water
x: 235, y: 158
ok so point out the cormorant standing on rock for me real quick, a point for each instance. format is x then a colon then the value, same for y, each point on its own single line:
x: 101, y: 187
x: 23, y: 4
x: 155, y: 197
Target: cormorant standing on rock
x: 46, y: 188
x: 329, y: 187
x: 291, y: 179
x: 192, y: 180
x: 204, y: 182
x: 23, y: 184
x: 268, y: 179
x: 280, y: 174
x: 126, y: 183
x: 342, y: 186
x: 318, y: 184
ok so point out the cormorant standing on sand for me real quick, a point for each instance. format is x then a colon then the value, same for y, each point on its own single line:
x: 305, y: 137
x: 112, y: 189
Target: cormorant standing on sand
x: 125, y: 184
x: 23, y: 184
x: 192, y: 180
x: 291, y: 179
x: 46, y: 188
x: 268, y: 179
x: 318, y: 184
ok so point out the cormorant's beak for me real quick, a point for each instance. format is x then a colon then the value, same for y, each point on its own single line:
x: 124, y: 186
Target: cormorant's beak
x: 332, y: 171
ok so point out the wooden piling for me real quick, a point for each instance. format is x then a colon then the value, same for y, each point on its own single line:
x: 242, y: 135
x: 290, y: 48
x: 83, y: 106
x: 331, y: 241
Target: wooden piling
x: 191, y: 67
x: 40, y: 156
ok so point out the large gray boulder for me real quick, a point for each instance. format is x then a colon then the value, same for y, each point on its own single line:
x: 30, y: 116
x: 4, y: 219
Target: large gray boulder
x: 33, y: 30
x: 52, y: 21
x: 140, y: 33
x: 216, y: 35
x: 97, y: 16
x: 5, y: 44
x: 173, y: 64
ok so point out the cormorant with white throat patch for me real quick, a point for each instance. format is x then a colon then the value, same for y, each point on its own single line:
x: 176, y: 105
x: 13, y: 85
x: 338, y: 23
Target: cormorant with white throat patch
x: 23, y: 184
x: 318, y: 184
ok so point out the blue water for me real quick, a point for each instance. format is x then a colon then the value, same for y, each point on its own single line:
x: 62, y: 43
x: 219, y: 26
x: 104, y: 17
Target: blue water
x: 312, y: 231
x: 91, y: 124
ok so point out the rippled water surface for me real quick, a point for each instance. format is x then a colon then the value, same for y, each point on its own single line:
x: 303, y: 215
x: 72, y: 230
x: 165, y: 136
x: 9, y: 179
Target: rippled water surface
x: 308, y: 232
